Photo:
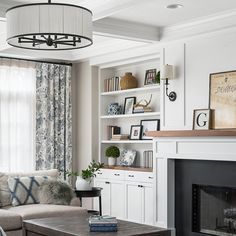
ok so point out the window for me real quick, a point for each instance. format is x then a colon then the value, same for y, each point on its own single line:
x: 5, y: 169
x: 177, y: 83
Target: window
x: 17, y: 115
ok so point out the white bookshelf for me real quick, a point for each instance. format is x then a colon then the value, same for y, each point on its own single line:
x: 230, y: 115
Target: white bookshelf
x: 128, y: 141
x: 146, y: 114
x: 150, y: 88
x: 126, y: 120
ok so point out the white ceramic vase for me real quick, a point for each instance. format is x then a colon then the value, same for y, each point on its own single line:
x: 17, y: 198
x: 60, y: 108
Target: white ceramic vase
x: 111, y: 161
x: 82, y: 184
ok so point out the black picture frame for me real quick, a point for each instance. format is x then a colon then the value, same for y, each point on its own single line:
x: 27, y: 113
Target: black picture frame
x: 134, y: 136
x: 149, y: 125
x: 127, y: 105
x: 150, y: 77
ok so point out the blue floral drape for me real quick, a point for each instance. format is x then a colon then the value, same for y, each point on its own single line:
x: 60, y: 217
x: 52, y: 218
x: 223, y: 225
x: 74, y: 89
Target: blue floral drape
x: 53, y: 118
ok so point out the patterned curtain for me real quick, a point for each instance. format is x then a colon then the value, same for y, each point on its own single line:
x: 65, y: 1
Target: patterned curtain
x: 53, y: 118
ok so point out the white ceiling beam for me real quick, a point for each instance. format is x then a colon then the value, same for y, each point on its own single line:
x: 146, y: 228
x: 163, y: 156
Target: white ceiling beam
x: 110, y: 27
x: 114, y: 7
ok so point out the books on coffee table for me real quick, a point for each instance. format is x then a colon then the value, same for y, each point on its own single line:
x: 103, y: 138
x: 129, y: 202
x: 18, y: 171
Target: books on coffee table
x: 102, y: 224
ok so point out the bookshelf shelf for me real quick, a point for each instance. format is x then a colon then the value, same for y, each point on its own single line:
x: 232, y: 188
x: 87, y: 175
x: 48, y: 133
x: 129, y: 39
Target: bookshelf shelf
x: 128, y: 141
x: 133, y: 91
x: 131, y: 115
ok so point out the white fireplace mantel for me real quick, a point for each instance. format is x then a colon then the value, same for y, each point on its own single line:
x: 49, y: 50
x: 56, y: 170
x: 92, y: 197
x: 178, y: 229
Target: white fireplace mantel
x: 167, y: 149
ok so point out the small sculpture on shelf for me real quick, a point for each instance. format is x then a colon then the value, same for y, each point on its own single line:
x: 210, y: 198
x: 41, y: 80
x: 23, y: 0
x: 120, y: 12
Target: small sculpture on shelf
x: 114, y: 109
x: 143, y: 106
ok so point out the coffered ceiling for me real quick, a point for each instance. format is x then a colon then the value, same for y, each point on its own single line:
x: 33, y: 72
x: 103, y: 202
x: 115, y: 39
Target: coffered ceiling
x: 132, y: 24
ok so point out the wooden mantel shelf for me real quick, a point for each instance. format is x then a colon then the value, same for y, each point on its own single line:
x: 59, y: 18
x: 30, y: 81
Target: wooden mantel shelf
x: 192, y: 133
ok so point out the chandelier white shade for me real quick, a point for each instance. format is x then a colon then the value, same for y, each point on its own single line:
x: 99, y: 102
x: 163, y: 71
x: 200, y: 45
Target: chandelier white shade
x: 167, y: 72
x: 49, y: 26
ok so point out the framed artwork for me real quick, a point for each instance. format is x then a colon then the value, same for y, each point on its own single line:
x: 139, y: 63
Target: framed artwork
x: 222, y: 99
x: 202, y: 119
x: 150, y: 77
x: 149, y: 125
x: 127, y: 157
x: 129, y: 105
x: 135, y: 132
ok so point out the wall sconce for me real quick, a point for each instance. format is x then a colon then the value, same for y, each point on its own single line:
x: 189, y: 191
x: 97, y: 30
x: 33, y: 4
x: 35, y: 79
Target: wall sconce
x: 167, y: 74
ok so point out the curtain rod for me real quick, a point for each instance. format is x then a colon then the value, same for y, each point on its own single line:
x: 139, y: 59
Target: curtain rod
x: 49, y: 62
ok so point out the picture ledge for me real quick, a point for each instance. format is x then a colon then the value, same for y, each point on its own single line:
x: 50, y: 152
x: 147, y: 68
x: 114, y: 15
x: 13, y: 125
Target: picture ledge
x: 192, y: 133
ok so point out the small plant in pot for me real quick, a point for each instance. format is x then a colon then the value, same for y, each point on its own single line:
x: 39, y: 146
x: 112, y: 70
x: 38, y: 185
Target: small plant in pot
x: 112, y: 153
x: 83, y: 180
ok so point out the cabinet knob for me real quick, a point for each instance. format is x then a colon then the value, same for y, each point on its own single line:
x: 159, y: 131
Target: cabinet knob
x: 107, y: 182
x: 150, y: 177
x: 140, y: 186
x: 131, y: 176
x: 117, y: 174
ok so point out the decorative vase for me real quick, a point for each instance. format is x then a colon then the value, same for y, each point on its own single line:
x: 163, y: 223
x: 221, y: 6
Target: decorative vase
x: 114, y: 109
x: 128, y: 81
x: 111, y: 161
x: 82, y: 184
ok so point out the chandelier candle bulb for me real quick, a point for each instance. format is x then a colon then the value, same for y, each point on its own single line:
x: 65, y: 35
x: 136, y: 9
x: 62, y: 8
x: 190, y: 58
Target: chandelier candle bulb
x: 49, y: 26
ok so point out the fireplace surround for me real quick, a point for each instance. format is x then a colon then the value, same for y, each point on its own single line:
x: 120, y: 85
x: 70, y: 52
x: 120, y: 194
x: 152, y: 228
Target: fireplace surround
x: 201, y: 152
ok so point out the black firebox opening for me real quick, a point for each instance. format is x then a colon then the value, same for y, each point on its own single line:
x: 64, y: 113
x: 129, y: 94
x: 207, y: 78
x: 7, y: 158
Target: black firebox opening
x: 213, y: 210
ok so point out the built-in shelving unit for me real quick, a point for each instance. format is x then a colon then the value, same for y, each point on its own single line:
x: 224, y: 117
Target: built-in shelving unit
x: 125, y: 121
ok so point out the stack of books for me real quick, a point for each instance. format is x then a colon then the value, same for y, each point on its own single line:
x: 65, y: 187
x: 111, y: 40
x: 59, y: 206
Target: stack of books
x: 102, y: 224
x: 142, y: 109
x: 112, y: 130
x: 147, y: 160
x: 116, y: 137
x: 112, y: 84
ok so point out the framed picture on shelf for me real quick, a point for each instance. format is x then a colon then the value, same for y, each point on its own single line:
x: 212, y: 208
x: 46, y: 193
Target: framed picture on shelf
x: 150, y: 77
x: 129, y: 105
x: 149, y: 125
x: 135, y: 132
x: 223, y: 99
x: 202, y: 119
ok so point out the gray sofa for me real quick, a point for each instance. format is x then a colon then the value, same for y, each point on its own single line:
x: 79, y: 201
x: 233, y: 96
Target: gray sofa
x: 11, y: 218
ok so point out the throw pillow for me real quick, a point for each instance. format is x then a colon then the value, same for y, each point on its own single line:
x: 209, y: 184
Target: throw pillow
x: 5, y: 195
x: 55, y: 192
x: 24, y: 190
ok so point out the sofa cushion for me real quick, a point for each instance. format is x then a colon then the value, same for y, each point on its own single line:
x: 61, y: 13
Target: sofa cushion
x: 10, y: 220
x: 35, y: 211
x: 24, y: 190
x: 5, y: 195
x: 55, y: 192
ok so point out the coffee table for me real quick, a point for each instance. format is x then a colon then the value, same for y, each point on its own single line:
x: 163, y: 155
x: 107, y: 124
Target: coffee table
x: 78, y: 226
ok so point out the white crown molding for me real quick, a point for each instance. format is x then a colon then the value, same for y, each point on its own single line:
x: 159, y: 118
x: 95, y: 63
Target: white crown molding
x: 126, y: 30
x: 204, y: 25
x: 146, y: 52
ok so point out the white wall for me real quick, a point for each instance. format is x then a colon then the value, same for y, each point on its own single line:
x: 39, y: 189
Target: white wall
x: 194, y: 60
x: 84, y: 116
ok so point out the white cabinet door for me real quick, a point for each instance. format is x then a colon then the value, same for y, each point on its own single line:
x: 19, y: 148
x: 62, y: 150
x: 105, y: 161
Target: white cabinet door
x: 148, y: 204
x: 134, y: 202
x: 106, y: 196
x: 117, y: 203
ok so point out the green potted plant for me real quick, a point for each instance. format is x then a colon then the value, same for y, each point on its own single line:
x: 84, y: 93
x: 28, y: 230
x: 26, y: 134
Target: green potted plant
x: 112, y: 153
x: 83, y: 180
